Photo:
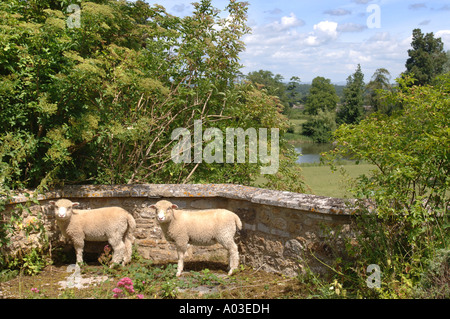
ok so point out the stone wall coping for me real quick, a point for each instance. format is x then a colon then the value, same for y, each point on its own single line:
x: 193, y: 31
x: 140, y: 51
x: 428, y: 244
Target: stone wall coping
x: 304, y: 202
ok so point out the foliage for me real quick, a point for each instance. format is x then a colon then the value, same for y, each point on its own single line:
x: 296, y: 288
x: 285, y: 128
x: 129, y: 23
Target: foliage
x: 289, y: 175
x: 379, y: 84
x: 292, y: 91
x: 106, y: 256
x: 446, y: 67
x: 426, y: 58
x: 322, y: 97
x: 29, y: 262
x: 320, y: 105
x: 97, y: 103
x: 435, y: 281
x: 320, y: 127
x: 404, y: 203
x: 351, y: 111
x: 273, y: 84
x: 30, y: 259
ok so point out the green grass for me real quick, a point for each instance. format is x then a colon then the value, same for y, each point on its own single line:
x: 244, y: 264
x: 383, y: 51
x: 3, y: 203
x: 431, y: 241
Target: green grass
x: 325, y: 182
x: 296, y: 135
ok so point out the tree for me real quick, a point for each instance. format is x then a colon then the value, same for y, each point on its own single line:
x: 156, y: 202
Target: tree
x: 320, y: 127
x: 292, y: 91
x: 97, y: 103
x: 380, y: 81
x: 273, y: 84
x: 352, y: 109
x: 426, y: 58
x: 322, y: 97
x: 446, y: 67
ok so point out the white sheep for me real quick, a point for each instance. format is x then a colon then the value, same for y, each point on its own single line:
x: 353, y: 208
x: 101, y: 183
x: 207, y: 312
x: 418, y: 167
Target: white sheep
x: 112, y: 224
x: 199, y: 227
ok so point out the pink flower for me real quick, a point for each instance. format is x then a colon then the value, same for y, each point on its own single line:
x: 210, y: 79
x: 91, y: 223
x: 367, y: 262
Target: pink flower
x: 139, y: 296
x: 35, y: 290
x: 125, y: 282
x: 117, y: 292
x: 130, y: 289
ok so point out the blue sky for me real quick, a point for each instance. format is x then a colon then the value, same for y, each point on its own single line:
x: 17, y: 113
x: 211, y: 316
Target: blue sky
x: 329, y: 38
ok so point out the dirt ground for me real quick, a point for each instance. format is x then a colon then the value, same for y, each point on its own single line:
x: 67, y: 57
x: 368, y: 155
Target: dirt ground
x: 152, y: 281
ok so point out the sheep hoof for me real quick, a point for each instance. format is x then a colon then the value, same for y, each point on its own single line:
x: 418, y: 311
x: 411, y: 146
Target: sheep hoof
x: 232, y: 271
x: 178, y: 274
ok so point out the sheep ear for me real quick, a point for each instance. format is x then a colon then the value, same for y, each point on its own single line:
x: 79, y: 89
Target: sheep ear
x: 75, y: 205
x: 153, y: 206
x: 174, y: 206
x: 52, y: 202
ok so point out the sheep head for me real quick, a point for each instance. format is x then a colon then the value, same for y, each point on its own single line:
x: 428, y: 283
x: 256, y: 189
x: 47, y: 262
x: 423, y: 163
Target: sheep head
x: 164, y: 210
x: 63, y: 208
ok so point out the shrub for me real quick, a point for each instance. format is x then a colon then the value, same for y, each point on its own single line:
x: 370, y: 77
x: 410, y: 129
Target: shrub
x: 320, y: 127
x: 403, y: 205
x: 435, y: 281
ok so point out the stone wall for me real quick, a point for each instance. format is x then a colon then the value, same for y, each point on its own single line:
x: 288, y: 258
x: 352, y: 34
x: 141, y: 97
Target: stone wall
x: 282, y: 231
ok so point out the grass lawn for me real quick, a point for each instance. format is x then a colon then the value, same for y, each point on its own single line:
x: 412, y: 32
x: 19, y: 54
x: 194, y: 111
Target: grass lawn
x: 324, y: 182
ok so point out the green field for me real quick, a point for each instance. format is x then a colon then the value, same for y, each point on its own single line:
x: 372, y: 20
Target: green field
x: 325, y: 182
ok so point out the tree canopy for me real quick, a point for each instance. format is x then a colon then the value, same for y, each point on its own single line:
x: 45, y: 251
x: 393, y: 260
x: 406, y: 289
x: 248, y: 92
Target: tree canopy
x: 322, y: 96
x: 272, y: 83
x: 96, y: 102
x: 379, y: 82
x: 352, y: 109
x: 426, y: 58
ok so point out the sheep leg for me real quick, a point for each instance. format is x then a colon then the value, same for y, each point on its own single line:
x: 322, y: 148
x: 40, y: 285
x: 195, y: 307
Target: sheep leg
x: 181, y: 251
x: 233, y: 254
x: 79, y: 245
x: 118, y: 247
x: 234, y: 258
x: 128, y: 251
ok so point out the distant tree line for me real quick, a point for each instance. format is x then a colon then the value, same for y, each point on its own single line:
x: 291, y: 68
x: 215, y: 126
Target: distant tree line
x: 329, y: 105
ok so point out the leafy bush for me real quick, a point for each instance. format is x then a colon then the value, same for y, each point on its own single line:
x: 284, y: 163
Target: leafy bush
x: 320, y: 127
x: 435, y: 281
x: 97, y: 103
x: 403, y: 205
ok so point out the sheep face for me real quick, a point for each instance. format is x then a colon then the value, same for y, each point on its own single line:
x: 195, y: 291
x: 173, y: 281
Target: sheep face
x: 164, y: 211
x: 63, y: 208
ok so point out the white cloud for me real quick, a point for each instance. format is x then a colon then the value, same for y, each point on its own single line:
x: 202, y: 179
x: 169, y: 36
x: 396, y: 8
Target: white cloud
x: 287, y: 22
x: 322, y: 52
x: 324, y: 31
x: 445, y: 35
x: 326, y: 27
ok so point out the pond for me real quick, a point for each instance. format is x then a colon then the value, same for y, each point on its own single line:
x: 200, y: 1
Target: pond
x: 311, y: 151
